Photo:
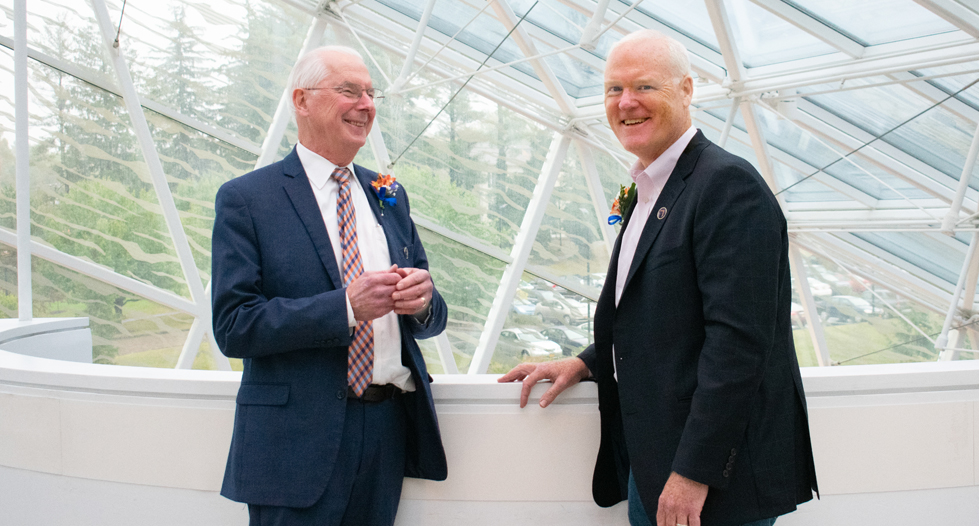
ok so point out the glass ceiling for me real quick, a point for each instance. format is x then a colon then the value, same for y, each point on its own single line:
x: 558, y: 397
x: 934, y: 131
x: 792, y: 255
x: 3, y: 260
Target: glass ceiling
x: 860, y: 114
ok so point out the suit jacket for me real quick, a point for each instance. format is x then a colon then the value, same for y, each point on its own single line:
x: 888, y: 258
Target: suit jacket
x: 279, y: 303
x: 708, y: 380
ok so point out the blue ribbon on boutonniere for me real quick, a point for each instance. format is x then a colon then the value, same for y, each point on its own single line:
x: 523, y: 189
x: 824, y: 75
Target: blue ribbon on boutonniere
x: 623, y: 202
x: 386, y: 188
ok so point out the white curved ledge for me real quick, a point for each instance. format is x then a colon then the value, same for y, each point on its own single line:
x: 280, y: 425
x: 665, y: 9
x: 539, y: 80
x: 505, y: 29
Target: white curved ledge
x: 111, y: 445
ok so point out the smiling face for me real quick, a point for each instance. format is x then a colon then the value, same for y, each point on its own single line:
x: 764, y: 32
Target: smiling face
x: 330, y: 124
x: 647, y: 107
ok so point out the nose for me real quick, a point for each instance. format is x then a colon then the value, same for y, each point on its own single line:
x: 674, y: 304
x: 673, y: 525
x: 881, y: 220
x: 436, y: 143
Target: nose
x: 365, y: 102
x: 627, y: 99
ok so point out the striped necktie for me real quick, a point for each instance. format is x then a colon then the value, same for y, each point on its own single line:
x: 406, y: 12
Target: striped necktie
x: 360, y: 357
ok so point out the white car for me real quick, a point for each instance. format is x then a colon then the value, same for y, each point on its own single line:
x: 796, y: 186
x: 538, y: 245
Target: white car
x: 526, y: 343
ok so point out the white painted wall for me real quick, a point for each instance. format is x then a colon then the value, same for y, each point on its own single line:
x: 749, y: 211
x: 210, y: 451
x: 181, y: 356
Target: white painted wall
x: 109, y: 445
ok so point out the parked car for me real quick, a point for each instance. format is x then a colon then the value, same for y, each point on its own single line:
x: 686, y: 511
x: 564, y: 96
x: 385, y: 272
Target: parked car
x: 819, y: 288
x: 846, y: 309
x: 798, y: 316
x: 902, y: 304
x: 524, y: 307
x: 526, y: 343
x: 570, y: 340
x: 558, y: 309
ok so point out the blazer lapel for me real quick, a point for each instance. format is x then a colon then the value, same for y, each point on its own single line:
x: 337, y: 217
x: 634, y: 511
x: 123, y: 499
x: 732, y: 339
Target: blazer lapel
x: 671, y: 191
x: 300, y: 192
x: 365, y: 176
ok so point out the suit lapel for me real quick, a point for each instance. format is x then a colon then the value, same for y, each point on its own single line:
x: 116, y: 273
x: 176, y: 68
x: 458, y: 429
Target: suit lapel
x: 298, y: 188
x: 671, y: 191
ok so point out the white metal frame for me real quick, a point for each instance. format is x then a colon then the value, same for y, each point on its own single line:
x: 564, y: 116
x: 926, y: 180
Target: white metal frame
x: 522, y: 246
x: 555, y: 110
x: 164, y: 196
x: 25, y: 295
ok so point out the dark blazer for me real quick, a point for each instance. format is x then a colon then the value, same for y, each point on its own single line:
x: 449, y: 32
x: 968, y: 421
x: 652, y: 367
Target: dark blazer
x: 708, y: 381
x: 279, y: 304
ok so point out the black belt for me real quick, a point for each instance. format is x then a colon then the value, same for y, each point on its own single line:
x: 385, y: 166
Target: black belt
x: 375, y: 393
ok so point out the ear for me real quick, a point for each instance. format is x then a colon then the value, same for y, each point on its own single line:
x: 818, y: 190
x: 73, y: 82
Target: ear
x: 686, y: 87
x: 300, y: 102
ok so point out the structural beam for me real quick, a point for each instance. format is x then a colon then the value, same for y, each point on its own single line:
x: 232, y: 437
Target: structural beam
x: 104, y: 84
x: 721, y: 22
x: 941, y: 343
x: 591, y: 32
x: 952, y: 217
x: 840, y: 73
x: 283, y: 112
x: 399, y: 82
x: 729, y: 122
x: 954, y: 13
x: 22, y: 177
x: 526, y: 45
x: 522, y: 246
x: 813, y: 323
x: 813, y: 26
x: 597, y: 193
x: 92, y: 270
x: 152, y: 158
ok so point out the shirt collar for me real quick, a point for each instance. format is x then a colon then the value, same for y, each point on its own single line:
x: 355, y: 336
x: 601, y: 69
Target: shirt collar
x: 663, y: 166
x: 318, y: 168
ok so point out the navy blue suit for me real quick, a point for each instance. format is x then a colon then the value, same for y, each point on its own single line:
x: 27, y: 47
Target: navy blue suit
x: 279, y: 303
x: 708, y: 380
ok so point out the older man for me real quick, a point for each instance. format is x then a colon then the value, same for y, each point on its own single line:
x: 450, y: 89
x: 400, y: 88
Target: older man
x: 702, y: 407
x: 320, y: 285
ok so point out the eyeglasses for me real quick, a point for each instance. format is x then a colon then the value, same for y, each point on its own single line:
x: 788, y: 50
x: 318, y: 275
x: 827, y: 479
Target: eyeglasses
x: 353, y: 92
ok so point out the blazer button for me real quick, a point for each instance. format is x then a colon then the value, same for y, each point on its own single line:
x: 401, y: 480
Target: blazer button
x: 341, y: 394
x: 726, y: 473
x: 734, y: 452
x: 730, y: 466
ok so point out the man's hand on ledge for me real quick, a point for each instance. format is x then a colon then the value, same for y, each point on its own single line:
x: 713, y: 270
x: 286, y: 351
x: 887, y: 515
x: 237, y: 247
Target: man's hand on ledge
x: 562, y: 374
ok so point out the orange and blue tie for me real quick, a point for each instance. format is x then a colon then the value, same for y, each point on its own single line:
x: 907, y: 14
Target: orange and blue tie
x: 360, y: 357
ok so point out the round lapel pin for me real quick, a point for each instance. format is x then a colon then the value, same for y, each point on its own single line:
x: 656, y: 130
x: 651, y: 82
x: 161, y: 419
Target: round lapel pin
x: 661, y: 213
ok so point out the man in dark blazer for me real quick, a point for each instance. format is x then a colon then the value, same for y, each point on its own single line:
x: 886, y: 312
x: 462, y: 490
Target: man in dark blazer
x: 335, y: 406
x: 703, y: 413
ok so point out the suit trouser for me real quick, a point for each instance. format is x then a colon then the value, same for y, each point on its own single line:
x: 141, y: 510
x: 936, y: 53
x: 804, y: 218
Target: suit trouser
x: 365, y: 486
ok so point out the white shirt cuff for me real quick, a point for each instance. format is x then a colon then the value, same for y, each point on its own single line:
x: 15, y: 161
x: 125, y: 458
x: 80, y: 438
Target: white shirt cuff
x: 351, y: 321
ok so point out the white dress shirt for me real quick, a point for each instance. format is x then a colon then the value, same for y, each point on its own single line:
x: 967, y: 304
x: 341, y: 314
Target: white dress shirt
x: 374, y: 254
x: 649, y: 184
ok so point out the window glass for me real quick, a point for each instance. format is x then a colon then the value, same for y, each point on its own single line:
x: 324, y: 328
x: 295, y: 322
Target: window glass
x: 569, y: 242
x: 468, y: 280
x: 92, y: 195
x: 546, y: 322
x: 873, y: 22
x: 863, y: 322
x: 936, y: 254
x: 756, y: 28
x: 65, y: 30
x: 225, y: 63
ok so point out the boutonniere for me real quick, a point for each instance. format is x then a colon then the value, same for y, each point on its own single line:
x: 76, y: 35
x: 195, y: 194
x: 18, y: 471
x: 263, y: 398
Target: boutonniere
x: 386, y: 189
x: 623, y: 202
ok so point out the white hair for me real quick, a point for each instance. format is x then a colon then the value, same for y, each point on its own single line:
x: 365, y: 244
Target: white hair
x: 679, y: 58
x: 313, y: 67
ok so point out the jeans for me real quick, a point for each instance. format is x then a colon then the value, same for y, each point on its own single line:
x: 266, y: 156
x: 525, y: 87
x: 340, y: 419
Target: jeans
x: 638, y: 517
